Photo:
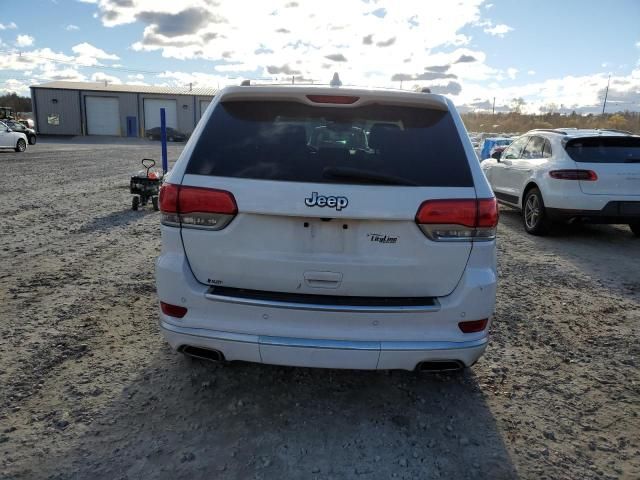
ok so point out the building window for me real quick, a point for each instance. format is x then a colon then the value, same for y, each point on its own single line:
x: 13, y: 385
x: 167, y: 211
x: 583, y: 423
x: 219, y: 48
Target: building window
x: 53, y: 119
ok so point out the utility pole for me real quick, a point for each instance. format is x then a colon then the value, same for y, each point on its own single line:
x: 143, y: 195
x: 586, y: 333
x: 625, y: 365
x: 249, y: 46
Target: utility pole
x: 493, y: 109
x: 606, y: 94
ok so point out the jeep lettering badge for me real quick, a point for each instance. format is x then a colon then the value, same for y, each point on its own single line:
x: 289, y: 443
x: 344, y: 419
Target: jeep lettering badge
x: 321, y: 201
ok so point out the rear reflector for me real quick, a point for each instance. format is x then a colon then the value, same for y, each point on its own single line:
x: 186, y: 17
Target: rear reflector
x: 173, y: 310
x: 459, y: 219
x: 586, y: 175
x: 473, y: 326
x: 335, y: 99
x: 196, y: 207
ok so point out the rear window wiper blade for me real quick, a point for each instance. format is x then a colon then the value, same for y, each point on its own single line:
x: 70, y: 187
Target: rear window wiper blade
x: 357, y: 174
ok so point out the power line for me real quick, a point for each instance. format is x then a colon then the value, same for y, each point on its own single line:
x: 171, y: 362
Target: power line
x: 83, y: 65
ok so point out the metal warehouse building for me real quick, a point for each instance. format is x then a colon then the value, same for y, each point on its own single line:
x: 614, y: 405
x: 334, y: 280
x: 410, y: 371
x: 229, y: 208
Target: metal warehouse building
x: 81, y: 108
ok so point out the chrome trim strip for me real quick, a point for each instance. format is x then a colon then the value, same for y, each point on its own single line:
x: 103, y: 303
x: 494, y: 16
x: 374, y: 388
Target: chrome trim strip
x: 323, y: 343
x: 323, y: 308
x: 320, y: 343
x: 436, y: 345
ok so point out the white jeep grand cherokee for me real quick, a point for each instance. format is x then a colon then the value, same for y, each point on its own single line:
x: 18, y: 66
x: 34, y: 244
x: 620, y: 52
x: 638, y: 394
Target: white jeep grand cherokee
x: 328, y: 227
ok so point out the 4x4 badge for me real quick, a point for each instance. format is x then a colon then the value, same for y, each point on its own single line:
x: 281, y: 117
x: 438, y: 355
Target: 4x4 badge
x: 321, y: 201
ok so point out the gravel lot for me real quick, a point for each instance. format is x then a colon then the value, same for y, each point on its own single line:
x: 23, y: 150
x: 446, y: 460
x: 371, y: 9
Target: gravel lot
x: 88, y: 389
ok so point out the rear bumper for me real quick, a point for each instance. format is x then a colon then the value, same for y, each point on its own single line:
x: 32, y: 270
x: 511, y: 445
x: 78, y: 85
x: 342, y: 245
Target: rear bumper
x: 324, y: 353
x: 315, y: 335
x: 612, y: 212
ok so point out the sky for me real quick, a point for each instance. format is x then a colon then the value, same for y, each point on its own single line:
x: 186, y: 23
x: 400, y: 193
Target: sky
x: 555, y: 55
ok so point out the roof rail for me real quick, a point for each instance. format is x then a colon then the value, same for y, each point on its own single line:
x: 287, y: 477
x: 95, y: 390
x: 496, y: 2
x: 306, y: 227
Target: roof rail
x: 550, y: 130
x: 615, y: 130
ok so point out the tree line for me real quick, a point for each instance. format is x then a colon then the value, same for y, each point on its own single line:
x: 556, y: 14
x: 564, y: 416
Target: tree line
x: 18, y: 103
x: 513, y: 122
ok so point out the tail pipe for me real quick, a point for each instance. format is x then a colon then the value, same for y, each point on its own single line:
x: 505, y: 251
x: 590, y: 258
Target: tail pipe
x: 436, y: 366
x: 202, y: 353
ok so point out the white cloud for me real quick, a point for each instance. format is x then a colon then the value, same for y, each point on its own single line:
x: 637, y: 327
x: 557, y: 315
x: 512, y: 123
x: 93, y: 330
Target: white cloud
x: 299, y: 36
x: 71, y: 27
x: 512, y: 72
x: 24, y: 40
x: 488, y: 6
x: 8, y: 26
x: 581, y: 93
x: 89, y: 55
x: 499, y: 30
x: 13, y: 85
x: 638, y: 44
x: 531, y: 72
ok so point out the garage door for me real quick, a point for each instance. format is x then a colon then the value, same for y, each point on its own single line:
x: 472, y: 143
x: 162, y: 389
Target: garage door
x: 152, y: 108
x: 203, y: 106
x: 103, y: 115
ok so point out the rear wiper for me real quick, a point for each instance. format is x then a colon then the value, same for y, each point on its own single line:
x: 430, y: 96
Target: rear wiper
x: 357, y: 174
x: 632, y: 160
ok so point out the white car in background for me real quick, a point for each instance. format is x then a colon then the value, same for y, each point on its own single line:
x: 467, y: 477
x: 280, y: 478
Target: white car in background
x: 10, y: 139
x: 570, y: 175
x: 280, y: 249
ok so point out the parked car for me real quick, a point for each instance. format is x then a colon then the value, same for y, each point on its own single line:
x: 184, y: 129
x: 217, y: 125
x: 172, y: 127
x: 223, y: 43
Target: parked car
x: 280, y: 252
x: 11, y: 139
x: 19, y: 127
x: 570, y: 175
x: 173, y: 135
x: 490, y: 143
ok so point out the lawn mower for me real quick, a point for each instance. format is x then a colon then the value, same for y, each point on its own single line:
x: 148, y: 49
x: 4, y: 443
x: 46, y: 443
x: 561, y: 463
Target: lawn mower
x: 146, y: 185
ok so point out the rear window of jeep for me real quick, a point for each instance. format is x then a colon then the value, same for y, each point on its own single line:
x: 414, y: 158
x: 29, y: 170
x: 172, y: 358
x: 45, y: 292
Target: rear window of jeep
x: 290, y: 141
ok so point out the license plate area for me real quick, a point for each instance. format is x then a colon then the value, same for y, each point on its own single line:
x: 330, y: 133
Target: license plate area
x: 325, y: 235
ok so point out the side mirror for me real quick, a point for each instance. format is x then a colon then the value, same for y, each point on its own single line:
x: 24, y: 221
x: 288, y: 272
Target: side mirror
x: 496, y: 155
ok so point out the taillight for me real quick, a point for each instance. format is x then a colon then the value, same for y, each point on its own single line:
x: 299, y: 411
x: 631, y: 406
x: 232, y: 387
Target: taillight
x: 586, y: 175
x: 473, y: 326
x: 459, y: 219
x: 196, y: 207
x: 169, y: 204
x: 335, y: 99
x: 173, y: 310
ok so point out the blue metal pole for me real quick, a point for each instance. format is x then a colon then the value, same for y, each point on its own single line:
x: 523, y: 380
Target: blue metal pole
x: 163, y: 140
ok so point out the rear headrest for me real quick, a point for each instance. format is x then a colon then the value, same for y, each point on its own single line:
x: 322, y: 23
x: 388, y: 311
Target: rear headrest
x: 380, y: 132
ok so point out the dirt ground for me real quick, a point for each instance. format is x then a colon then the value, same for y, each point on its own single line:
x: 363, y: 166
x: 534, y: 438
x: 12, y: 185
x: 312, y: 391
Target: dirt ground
x: 88, y: 389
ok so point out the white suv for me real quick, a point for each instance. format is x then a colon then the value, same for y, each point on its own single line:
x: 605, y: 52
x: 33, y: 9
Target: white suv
x: 328, y: 227
x: 568, y: 175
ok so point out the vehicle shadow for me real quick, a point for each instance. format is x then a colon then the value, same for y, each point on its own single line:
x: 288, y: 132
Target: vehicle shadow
x: 189, y: 419
x: 594, y: 249
x: 116, y: 219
